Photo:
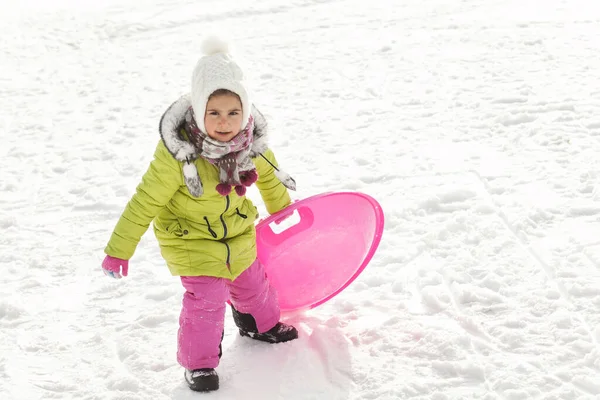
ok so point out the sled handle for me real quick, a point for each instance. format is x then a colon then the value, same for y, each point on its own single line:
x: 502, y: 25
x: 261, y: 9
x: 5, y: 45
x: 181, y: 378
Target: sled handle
x: 289, y: 223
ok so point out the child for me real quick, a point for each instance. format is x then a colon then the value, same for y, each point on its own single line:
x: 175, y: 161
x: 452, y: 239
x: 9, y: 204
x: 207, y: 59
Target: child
x: 213, y: 146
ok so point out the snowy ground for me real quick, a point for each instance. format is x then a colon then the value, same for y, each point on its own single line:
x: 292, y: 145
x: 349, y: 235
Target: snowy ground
x: 476, y: 124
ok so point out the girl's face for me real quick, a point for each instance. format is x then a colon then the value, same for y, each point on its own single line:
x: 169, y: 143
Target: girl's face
x: 223, y: 118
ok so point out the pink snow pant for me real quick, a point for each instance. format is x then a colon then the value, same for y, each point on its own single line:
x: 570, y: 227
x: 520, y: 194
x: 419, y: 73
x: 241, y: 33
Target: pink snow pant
x: 202, y: 316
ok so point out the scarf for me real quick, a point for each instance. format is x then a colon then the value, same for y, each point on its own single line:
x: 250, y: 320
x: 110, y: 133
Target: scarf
x: 236, y: 169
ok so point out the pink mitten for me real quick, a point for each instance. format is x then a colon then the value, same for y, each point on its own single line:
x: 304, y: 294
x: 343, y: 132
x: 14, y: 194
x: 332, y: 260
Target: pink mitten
x: 112, y: 267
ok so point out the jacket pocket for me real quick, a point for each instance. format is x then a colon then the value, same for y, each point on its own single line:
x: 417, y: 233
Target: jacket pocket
x: 175, y: 229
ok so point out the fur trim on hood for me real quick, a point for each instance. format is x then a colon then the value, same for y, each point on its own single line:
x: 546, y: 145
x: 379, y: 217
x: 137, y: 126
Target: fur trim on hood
x: 182, y: 150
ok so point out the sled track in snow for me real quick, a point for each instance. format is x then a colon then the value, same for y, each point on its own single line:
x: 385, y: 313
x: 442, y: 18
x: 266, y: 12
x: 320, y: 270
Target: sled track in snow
x: 551, y: 274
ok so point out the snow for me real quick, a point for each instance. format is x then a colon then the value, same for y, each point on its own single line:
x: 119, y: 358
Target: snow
x: 475, y: 124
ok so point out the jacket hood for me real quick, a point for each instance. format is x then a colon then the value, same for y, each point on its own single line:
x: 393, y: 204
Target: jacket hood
x: 182, y: 150
x: 173, y: 121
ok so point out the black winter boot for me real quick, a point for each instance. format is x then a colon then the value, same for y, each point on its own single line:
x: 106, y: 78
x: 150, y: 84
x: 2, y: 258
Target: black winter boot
x: 202, y: 380
x: 278, y: 334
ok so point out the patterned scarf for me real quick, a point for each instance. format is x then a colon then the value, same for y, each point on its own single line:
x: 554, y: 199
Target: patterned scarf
x: 236, y: 169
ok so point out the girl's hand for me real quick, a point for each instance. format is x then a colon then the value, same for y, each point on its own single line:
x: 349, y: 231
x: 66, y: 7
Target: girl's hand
x: 112, y: 267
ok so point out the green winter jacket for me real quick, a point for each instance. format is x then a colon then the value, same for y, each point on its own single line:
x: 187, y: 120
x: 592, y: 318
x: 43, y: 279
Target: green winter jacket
x: 210, y: 235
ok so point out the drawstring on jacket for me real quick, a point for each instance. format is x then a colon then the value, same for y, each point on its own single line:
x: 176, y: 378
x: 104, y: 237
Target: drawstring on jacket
x: 213, y: 233
x: 237, y: 211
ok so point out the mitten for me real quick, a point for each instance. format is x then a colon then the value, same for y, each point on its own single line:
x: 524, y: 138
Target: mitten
x: 112, y: 267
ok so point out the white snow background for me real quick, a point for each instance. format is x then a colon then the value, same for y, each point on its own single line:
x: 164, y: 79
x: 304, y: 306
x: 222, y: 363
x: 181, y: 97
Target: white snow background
x: 476, y: 124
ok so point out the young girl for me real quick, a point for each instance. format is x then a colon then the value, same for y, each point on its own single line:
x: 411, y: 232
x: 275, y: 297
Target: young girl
x: 213, y: 146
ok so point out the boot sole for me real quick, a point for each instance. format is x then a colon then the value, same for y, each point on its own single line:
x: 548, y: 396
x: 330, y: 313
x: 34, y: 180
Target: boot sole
x: 203, y: 389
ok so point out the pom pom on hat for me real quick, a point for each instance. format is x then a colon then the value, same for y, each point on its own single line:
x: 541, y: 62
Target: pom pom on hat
x: 217, y: 70
x: 213, y: 45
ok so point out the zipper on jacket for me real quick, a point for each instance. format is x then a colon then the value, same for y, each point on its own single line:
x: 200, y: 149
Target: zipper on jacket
x: 222, y: 219
x: 212, y: 233
x: 237, y: 211
x: 228, y: 254
x: 225, y: 231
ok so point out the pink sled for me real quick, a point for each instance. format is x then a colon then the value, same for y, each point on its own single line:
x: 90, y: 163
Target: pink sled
x: 316, y: 247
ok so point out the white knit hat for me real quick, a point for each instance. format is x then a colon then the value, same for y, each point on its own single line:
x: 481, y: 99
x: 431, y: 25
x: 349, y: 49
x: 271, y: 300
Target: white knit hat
x: 217, y: 70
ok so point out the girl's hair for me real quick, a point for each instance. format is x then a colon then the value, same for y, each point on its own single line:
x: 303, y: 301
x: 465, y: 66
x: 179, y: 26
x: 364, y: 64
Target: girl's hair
x: 223, y: 92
